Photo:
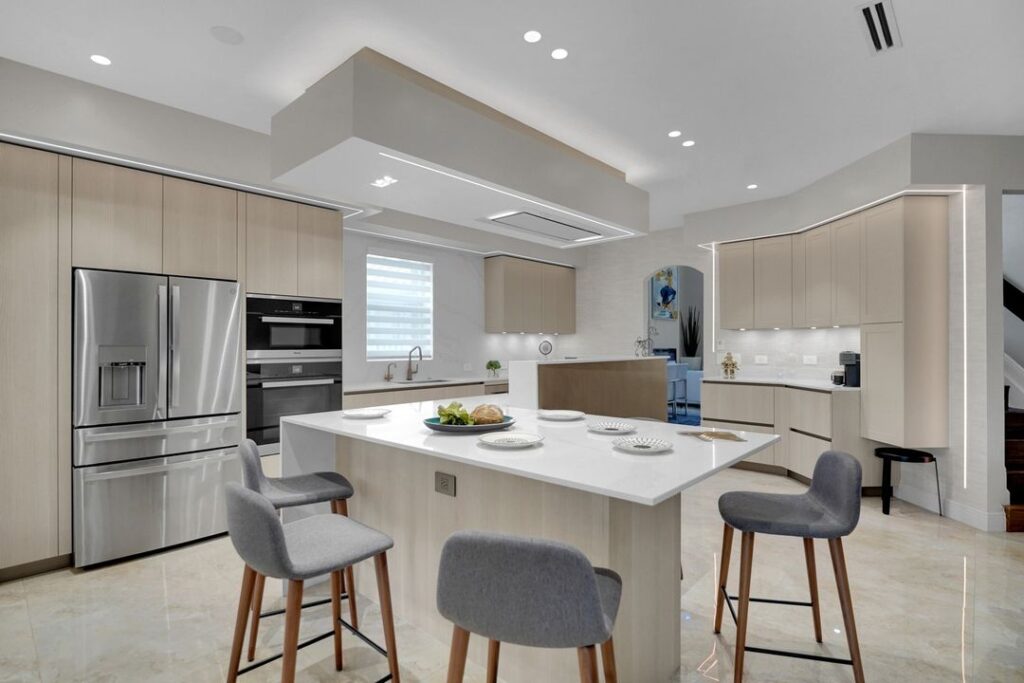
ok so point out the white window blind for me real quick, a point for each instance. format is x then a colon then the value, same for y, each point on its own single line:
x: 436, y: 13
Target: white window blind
x: 399, y: 307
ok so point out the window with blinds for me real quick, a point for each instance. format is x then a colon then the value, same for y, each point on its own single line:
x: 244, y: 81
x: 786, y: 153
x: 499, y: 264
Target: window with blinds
x: 399, y: 307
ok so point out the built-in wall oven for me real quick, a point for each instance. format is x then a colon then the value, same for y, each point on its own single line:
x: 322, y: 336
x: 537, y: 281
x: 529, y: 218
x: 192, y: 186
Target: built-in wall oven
x: 293, y: 362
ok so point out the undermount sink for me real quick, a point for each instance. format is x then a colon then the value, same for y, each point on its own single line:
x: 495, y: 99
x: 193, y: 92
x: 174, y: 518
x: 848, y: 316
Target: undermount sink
x: 421, y: 381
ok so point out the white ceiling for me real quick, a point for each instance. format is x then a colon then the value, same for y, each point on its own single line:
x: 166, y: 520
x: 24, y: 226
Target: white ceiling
x: 774, y: 93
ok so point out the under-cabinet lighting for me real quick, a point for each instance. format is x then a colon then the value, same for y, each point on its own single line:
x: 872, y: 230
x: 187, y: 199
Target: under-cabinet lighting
x: 813, y: 328
x: 100, y: 59
x: 675, y: 133
x: 743, y: 329
x: 384, y: 181
x: 776, y: 329
x: 559, y: 53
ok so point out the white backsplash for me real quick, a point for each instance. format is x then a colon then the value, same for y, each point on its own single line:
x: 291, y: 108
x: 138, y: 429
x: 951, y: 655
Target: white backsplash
x: 784, y: 351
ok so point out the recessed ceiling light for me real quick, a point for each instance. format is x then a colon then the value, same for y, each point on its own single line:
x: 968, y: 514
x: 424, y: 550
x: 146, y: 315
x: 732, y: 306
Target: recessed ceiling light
x: 689, y: 143
x: 752, y: 186
x: 384, y: 181
x: 227, y: 35
x: 100, y: 59
x: 674, y: 133
x: 532, y: 36
x: 559, y: 53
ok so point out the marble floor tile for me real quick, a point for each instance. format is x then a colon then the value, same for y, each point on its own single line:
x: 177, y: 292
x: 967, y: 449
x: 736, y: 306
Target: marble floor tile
x: 935, y: 601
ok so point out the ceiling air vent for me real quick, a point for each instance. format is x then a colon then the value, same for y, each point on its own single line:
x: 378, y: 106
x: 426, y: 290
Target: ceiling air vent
x: 547, y: 227
x: 880, y: 26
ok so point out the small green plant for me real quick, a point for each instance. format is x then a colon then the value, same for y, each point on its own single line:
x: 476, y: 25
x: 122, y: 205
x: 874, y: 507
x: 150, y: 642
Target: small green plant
x: 493, y: 366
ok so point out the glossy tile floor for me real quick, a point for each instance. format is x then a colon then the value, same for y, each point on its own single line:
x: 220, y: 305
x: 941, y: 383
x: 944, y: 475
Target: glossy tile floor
x: 935, y: 601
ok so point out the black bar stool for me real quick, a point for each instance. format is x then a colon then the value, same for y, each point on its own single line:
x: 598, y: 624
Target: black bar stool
x: 890, y: 453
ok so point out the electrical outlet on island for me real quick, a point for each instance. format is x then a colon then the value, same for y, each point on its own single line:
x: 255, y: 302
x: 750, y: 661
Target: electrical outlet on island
x: 810, y: 360
x: 760, y: 359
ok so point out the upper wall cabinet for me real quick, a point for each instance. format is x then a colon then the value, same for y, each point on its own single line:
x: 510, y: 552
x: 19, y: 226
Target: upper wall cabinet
x: 847, y: 247
x: 881, y: 289
x: 319, y: 253
x: 818, y: 277
x: 200, y: 235
x: 117, y: 217
x: 271, y: 245
x: 773, y: 282
x: 529, y: 296
x: 736, y: 285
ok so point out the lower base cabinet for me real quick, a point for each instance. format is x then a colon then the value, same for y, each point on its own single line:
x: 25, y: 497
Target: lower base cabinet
x: 396, y: 396
x: 766, y: 457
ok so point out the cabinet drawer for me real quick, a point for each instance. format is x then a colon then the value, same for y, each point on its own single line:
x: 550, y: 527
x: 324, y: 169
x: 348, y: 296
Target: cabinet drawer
x: 811, y: 412
x: 750, y: 403
x: 804, y: 451
x: 765, y: 457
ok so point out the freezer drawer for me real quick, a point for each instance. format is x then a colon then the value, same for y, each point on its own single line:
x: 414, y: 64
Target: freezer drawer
x: 100, y: 445
x: 130, y: 508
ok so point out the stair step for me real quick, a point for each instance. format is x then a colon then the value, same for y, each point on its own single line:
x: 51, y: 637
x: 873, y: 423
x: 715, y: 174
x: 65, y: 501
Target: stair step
x: 1014, y: 517
x: 1014, y: 454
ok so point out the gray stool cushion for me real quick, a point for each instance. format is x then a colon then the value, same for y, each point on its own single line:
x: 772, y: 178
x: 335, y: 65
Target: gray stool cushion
x: 304, y: 489
x: 298, y: 550
x: 829, y: 509
x: 526, y: 591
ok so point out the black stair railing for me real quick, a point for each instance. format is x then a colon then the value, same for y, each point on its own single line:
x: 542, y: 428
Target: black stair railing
x: 1013, y: 299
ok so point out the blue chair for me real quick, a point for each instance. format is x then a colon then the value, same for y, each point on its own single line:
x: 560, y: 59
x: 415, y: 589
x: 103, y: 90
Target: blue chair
x: 676, y: 378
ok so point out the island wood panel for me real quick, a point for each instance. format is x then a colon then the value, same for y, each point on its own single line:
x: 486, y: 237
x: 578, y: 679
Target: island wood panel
x: 29, y: 255
x: 271, y: 246
x: 633, y: 388
x: 200, y: 230
x: 117, y: 216
x: 641, y: 543
x: 319, y: 252
x: 396, y: 396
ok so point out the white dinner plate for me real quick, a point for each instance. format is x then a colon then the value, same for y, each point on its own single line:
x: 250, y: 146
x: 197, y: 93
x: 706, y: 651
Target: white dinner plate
x: 611, y: 427
x: 510, y: 439
x: 365, y: 413
x: 560, y: 415
x: 642, y: 445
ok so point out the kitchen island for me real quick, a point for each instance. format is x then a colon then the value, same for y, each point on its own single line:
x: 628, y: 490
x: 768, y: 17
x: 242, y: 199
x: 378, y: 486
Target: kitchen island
x: 622, y: 510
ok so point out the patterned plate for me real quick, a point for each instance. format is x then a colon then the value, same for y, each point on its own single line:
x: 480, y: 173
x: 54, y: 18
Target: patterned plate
x: 611, y: 427
x: 560, y: 415
x: 642, y: 445
x: 510, y: 439
x: 365, y: 413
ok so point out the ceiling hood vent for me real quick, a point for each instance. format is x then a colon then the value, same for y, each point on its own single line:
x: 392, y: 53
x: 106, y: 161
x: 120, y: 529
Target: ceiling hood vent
x: 880, y: 26
x: 542, y: 225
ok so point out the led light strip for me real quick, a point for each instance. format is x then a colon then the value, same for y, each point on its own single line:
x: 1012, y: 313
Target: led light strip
x: 714, y: 290
x: 446, y: 174
x: 963, y: 277
x: 132, y: 163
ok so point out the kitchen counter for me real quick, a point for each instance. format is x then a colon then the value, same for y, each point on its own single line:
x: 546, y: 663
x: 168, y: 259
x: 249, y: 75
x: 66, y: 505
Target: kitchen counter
x: 376, y: 387
x: 811, y: 384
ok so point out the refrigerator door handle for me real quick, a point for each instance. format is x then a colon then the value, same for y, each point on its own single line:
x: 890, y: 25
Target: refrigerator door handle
x: 162, y: 469
x: 161, y: 373
x: 175, y: 341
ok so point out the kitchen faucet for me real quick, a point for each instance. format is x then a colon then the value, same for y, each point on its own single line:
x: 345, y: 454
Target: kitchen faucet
x: 388, y: 375
x: 409, y: 372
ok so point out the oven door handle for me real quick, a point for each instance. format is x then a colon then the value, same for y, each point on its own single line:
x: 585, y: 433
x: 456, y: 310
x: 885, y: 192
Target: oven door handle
x: 296, y: 321
x: 297, y: 383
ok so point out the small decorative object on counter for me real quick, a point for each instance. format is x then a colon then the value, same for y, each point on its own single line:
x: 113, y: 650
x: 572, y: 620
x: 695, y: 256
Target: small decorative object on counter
x: 729, y: 366
x: 545, y: 348
x: 493, y: 366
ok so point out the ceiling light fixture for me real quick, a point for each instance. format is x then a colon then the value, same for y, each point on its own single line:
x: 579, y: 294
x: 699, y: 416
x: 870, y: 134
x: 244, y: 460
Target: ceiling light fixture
x: 100, y: 59
x: 587, y: 239
x: 689, y: 143
x: 384, y: 181
x: 752, y: 186
x: 532, y: 36
x: 559, y: 53
x: 227, y: 35
x: 675, y: 133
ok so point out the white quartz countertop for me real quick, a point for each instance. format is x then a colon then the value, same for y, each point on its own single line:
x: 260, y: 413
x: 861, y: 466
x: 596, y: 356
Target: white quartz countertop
x: 373, y: 387
x: 591, y: 359
x: 814, y: 384
x: 569, y: 456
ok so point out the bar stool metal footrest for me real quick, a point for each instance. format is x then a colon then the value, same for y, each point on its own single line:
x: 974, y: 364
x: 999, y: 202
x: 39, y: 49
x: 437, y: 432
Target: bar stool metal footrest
x: 780, y: 653
x: 313, y: 603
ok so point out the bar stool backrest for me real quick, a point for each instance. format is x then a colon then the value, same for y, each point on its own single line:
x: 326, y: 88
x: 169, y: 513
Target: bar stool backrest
x: 525, y: 591
x: 836, y: 487
x: 256, y: 532
x: 252, y: 469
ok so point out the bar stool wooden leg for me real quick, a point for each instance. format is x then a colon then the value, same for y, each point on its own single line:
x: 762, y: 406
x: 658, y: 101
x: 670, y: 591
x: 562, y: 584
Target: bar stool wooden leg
x: 380, y: 563
x: 611, y: 675
x: 723, y: 574
x: 348, y: 581
x: 812, y: 581
x: 588, y: 663
x: 457, y: 658
x: 244, y: 603
x: 493, y: 649
x: 746, y: 562
x: 339, y: 662
x: 292, y: 617
x: 835, y: 546
x: 257, y: 606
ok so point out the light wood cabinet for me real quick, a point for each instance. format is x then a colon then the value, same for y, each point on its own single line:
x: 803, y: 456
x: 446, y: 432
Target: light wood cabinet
x: 773, y: 282
x: 319, y: 252
x: 800, y: 280
x: 818, y: 277
x: 847, y: 239
x: 200, y: 233
x: 528, y: 296
x: 766, y: 457
x: 738, y: 402
x: 29, y: 477
x: 117, y: 217
x: 881, y: 290
x: 736, y: 285
x: 271, y: 245
x: 803, y: 451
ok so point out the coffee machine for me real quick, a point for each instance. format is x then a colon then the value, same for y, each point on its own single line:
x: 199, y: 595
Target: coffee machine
x: 850, y: 360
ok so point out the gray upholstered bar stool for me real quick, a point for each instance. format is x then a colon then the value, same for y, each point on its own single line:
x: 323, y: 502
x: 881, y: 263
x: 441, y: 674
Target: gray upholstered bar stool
x: 830, y: 509
x: 283, y: 492
x: 295, y: 552
x: 528, y: 592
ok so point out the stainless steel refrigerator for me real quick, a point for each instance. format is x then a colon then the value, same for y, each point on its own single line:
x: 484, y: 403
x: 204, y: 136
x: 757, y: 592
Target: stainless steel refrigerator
x: 157, y: 396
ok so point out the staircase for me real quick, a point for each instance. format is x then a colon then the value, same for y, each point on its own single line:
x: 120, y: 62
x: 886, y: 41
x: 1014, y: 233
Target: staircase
x: 1013, y: 301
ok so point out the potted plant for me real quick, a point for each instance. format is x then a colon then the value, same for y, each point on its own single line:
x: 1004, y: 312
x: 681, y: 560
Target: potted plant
x: 691, y: 336
x: 493, y: 366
